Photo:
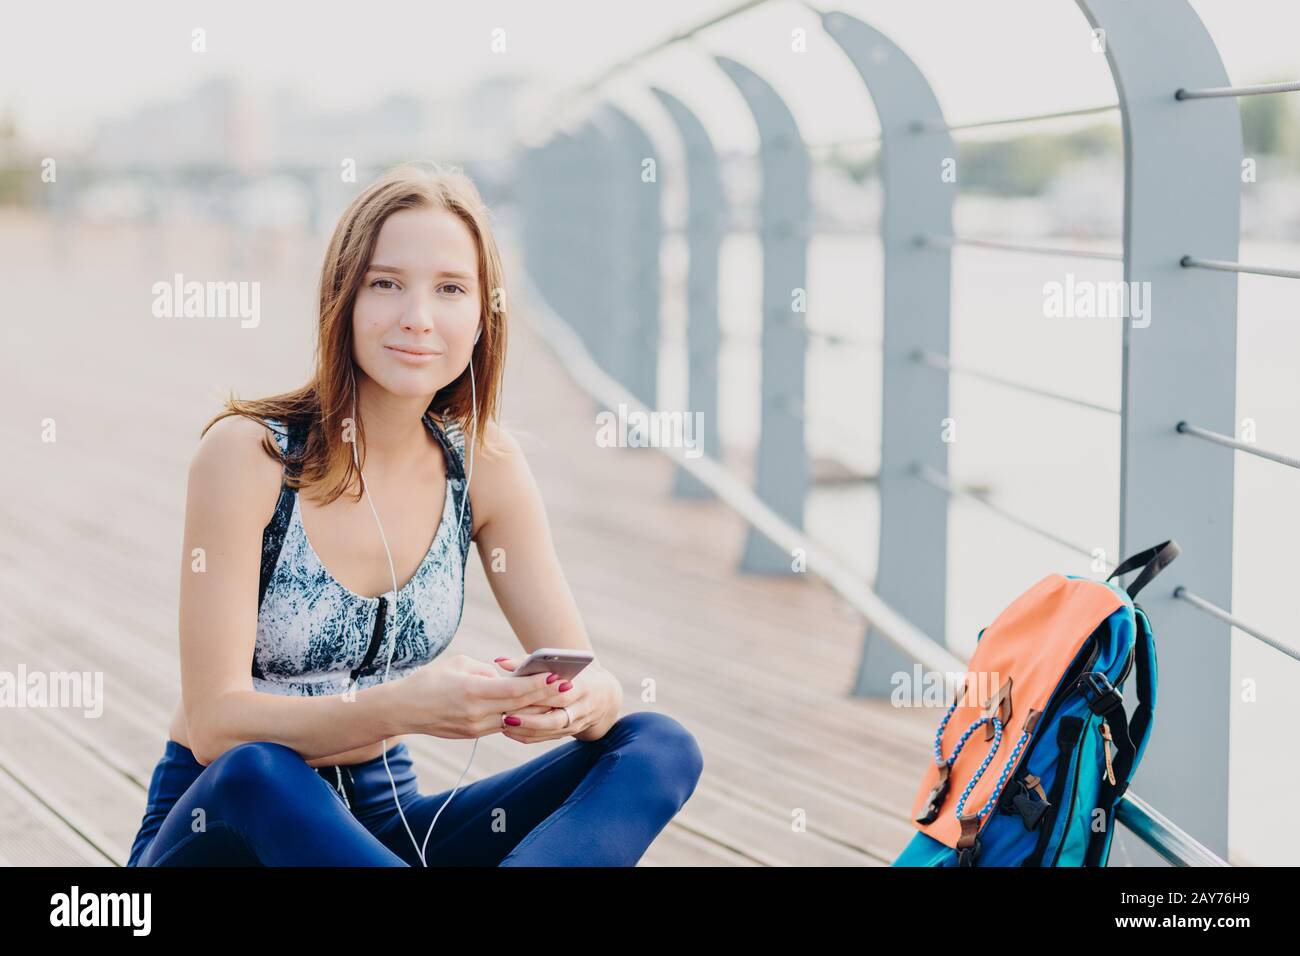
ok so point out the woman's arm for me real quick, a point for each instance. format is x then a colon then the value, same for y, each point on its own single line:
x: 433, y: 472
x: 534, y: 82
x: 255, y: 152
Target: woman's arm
x: 518, y: 555
x: 233, y: 488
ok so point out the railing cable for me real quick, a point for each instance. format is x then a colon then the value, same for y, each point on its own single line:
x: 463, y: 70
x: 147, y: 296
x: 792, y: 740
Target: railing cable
x: 1182, y: 594
x: 1183, y: 94
x: 1191, y: 262
x: 1230, y: 442
x: 935, y: 360
x: 619, y: 66
x: 929, y: 475
x: 950, y: 241
x: 928, y: 126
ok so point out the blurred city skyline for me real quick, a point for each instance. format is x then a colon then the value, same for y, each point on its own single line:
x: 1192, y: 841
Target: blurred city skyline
x: 251, y: 115
x: 983, y: 60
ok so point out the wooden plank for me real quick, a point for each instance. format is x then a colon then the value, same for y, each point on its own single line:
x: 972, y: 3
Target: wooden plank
x: 128, y: 735
x: 677, y: 846
x: 93, y: 801
x: 31, y: 834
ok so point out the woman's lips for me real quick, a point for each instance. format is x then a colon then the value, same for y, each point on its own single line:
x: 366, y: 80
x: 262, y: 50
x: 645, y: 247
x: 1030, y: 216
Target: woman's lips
x: 414, y: 358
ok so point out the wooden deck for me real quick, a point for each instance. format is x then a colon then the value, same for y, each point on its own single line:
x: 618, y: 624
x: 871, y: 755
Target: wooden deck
x: 757, y: 668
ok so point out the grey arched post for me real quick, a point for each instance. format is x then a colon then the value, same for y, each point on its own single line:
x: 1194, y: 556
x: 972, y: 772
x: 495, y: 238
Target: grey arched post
x: 636, y: 233
x: 919, y: 183
x: 571, y: 232
x: 555, y: 186
x: 594, y: 220
x: 1182, y: 196
x: 781, y: 469
x: 706, y: 212
x: 569, y: 248
x: 538, y: 227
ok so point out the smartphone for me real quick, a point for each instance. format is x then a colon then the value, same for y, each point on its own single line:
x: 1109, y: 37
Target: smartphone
x: 554, y: 660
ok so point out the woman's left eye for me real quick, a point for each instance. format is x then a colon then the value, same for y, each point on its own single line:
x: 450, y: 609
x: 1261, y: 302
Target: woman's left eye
x: 390, y: 284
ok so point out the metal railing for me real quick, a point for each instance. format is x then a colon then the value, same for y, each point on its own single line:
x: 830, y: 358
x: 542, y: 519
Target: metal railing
x: 1182, y: 141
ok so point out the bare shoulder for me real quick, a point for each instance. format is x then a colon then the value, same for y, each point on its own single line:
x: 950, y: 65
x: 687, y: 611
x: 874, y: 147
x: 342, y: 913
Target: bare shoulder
x: 504, y: 443
x: 501, y: 478
x: 232, y: 473
x: 500, y: 459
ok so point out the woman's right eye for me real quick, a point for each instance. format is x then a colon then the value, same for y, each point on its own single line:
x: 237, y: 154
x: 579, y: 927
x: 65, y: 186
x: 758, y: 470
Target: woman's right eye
x: 377, y: 281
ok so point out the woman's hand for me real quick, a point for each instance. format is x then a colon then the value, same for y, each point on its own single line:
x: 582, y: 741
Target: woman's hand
x: 592, y: 699
x: 460, y: 697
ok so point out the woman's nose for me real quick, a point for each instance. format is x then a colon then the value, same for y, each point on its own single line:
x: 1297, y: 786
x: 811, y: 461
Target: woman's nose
x: 419, y: 316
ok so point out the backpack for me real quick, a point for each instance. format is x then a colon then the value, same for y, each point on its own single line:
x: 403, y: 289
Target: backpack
x: 1029, y: 766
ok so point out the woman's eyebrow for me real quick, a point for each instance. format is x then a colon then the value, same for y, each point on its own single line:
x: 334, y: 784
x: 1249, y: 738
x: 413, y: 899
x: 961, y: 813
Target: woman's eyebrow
x: 377, y: 267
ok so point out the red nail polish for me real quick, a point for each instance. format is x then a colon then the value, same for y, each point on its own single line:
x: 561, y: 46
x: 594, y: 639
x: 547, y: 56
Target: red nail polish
x: 552, y: 678
x: 565, y: 686
x: 513, y: 721
x: 498, y: 660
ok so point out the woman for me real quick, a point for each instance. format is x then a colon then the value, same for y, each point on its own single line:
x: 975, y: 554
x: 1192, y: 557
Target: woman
x: 287, y: 746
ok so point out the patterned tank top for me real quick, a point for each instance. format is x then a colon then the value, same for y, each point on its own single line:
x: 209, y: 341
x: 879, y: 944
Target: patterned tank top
x: 315, y: 636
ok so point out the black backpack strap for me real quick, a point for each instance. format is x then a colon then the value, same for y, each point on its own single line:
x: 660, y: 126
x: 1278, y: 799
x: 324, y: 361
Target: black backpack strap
x: 1129, y: 736
x: 1152, y: 561
x: 273, y: 535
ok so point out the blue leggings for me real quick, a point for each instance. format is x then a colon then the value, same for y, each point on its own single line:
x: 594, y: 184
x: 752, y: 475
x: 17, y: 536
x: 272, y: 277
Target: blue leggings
x: 581, y: 803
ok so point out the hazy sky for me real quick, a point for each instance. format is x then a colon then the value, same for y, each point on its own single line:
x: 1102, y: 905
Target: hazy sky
x: 62, y: 70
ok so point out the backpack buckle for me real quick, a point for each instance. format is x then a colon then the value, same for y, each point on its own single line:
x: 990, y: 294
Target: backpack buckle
x: 1100, y: 693
x: 935, y: 800
x: 968, y: 844
x: 968, y: 856
x: 1030, y: 810
x: 1026, y: 798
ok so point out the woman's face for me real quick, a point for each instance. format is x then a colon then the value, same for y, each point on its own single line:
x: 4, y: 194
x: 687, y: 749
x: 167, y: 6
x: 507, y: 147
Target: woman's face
x: 417, y: 311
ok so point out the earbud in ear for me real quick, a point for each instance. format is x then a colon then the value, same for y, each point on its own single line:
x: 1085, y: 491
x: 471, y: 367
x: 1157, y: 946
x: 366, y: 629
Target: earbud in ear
x: 479, y: 335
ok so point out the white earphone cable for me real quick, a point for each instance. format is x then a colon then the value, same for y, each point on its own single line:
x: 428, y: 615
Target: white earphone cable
x: 419, y: 849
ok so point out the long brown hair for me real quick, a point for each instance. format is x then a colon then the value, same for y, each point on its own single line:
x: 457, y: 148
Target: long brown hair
x: 328, y: 399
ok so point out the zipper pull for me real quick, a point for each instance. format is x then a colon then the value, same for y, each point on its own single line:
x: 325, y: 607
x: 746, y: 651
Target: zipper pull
x: 1036, y: 784
x: 376, y: 639
x: 1105, y: 749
